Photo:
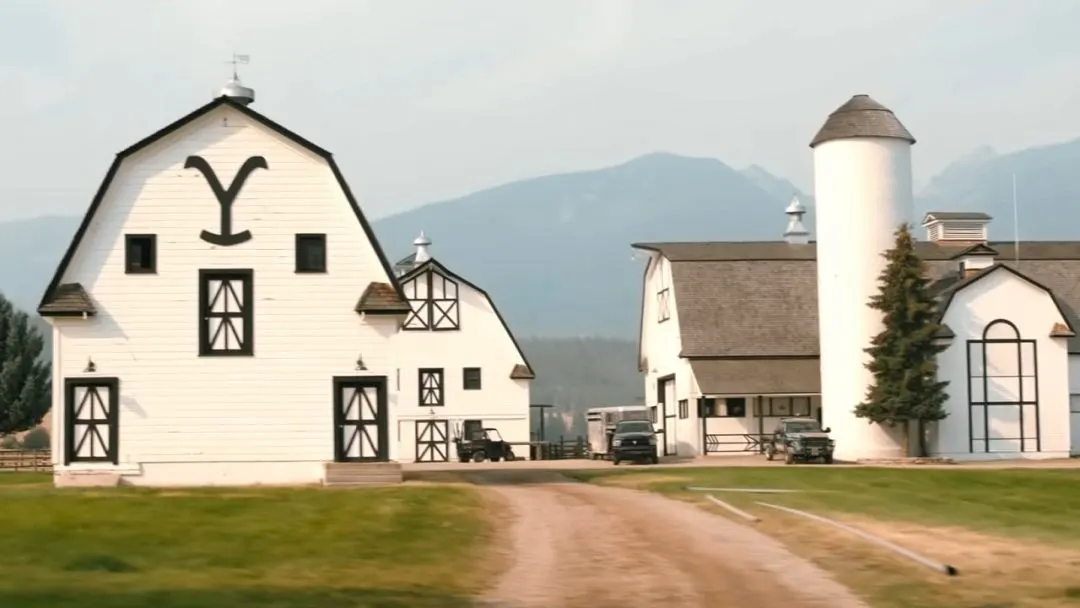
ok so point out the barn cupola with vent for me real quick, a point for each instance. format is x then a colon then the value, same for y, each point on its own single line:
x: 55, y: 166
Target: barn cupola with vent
x: 961, y: 228
x: 796, y: 232
x: 233, y: 89
x: 422, y: 243
x: 417, y: 257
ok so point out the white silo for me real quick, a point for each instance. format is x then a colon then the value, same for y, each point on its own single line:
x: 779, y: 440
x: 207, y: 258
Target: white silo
x: 862, y: 191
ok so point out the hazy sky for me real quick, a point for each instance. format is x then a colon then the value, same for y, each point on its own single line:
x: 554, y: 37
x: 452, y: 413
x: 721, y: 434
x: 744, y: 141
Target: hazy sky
x: 423, y: 100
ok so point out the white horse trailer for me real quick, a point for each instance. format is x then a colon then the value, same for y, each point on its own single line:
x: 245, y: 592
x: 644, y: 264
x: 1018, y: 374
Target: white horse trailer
x: 601, y: 422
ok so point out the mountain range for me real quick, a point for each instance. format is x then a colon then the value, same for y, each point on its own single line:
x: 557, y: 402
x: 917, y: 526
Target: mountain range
x: 554, y: 251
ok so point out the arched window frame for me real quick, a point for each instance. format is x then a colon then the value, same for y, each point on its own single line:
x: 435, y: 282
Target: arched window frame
x: 1031, y: 399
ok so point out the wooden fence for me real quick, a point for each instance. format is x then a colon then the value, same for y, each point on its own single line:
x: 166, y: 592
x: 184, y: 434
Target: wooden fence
x: 25, y: 460
x: 561, y: 449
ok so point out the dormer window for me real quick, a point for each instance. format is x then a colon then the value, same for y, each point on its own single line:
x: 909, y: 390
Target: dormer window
x: 433, y: 299
x: 974, y: 259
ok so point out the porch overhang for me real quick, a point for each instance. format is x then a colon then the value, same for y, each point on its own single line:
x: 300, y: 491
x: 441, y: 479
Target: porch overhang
x: 754, y: 377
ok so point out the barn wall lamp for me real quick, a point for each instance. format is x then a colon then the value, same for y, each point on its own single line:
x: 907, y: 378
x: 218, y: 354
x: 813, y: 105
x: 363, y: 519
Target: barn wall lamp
x: 91, y: 367
x: 360, y: 367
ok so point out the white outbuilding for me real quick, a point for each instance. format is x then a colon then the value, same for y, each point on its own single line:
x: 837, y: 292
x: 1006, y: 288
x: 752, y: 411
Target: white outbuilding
x: 736, y: 335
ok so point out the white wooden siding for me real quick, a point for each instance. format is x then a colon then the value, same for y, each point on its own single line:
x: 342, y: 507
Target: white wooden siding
x: 660, y: 347
x: 482, y: 342
x: 1003, y: 295
x: 240, y: 416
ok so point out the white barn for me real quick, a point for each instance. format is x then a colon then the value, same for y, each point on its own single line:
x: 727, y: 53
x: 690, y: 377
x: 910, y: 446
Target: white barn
x: 225, y: 315
x: 471, y: 373
x: 736, y: 335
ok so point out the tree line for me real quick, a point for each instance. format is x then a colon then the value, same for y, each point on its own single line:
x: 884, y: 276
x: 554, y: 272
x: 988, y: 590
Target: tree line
x: 25, y: 374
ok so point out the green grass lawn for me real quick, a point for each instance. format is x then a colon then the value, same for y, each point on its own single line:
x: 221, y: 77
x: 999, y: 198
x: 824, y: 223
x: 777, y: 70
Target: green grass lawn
x: 282, y: 548
x: 1043, y: 504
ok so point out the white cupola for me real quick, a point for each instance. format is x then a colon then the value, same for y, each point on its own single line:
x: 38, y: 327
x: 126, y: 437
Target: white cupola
x: 796, y: 232
x: 421, y: 243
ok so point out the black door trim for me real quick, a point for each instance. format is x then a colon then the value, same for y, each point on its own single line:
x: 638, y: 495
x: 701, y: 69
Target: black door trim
x: 359, y: 427
x: 436, y: 448
x: 661, y: 398
x: 111, y: 421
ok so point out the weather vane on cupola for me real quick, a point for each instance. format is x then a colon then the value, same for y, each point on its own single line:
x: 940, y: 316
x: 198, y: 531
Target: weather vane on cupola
x: 233, y: 89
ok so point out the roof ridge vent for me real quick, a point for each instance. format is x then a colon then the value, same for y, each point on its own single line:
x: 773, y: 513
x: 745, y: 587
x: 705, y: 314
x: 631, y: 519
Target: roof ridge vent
x: 957, y: 227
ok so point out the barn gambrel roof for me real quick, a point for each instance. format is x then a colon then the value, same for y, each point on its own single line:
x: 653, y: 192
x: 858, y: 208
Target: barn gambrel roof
x: 523, y: 371
x: 747, y: 311
x: 55, y: 300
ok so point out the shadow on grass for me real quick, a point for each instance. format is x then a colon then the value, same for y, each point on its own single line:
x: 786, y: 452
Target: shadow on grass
x: 264, y: 597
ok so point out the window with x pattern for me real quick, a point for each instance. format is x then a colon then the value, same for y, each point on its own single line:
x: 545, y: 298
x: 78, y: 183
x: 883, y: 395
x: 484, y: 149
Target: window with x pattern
x: 91, y: 420
x: 433, y: 299
x: 226, y: 313
x: 432, y: 392
x: 663, y: 295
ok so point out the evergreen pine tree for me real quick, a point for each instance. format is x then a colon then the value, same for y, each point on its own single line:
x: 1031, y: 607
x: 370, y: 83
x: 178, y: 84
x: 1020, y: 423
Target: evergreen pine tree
x: 904, y: 355
x: 25, y: 380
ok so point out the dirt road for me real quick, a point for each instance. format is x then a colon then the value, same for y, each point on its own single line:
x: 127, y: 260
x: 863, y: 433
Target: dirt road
x: 576, y: 545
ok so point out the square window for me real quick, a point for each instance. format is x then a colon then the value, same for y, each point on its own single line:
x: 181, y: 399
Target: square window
x: 707, y: 407
x: 735, y: 407
x: 781, y: 406
x: 471, y: 379
x: 140, y: 253
x: 311, y: 253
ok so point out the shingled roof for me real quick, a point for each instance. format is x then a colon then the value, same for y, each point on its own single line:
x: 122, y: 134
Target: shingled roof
x: 68, y: 299
x: 756, y: 376
x: 759, y: 299
x: 381, y: 298
x: 861, y: 116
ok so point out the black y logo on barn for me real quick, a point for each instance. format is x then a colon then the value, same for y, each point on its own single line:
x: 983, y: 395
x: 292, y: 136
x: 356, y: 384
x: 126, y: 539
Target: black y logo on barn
x: 226, y: 237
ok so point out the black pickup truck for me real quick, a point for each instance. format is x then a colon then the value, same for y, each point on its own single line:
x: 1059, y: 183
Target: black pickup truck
x: 634, y: 440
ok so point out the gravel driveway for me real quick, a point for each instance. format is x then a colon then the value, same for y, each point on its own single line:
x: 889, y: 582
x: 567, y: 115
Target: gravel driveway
x: 575, y: 545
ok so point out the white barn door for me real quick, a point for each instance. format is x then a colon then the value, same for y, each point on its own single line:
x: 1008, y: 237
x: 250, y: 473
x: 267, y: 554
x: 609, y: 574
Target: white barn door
x: 664, y: 420
x: 1074, y: 424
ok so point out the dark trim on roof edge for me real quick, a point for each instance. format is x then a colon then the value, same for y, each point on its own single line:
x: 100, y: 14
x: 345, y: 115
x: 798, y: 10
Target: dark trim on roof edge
x: 976, y: 249
x: 433, y: 263
x: 987, y: 272
x: 183, y: 122
x: 642, y: 359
